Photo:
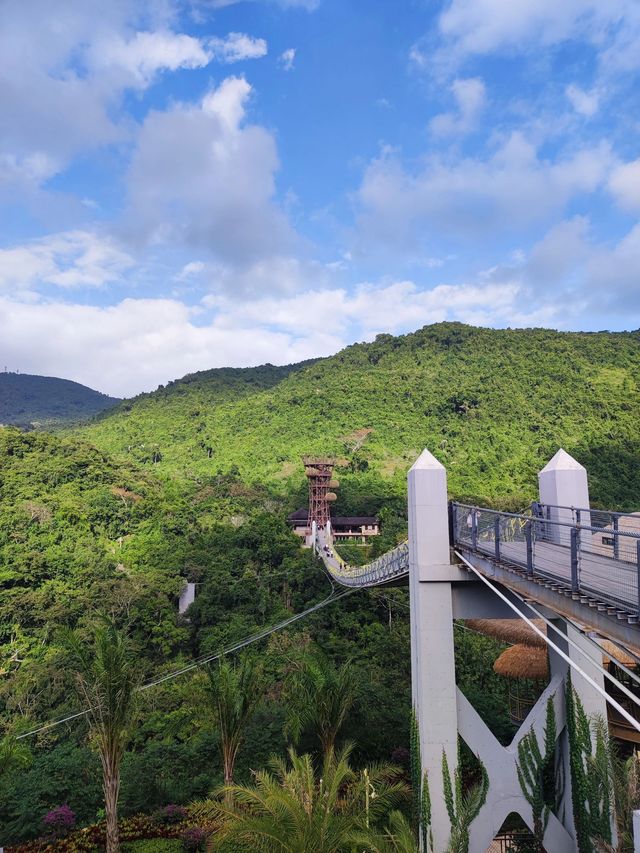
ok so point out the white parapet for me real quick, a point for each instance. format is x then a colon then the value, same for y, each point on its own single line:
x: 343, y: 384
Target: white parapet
x: 432, y: 649
x: 562, y: 485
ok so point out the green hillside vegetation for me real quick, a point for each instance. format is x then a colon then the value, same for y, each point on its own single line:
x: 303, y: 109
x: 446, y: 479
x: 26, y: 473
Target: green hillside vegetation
x: 493, y: 405
x: 45, y: 401
x: 194, y: 481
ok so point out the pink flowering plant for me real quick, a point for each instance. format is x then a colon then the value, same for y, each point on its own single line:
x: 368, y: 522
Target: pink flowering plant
x: 195, y: 839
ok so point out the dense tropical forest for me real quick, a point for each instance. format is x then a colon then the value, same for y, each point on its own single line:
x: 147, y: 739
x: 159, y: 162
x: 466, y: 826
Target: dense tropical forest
x: 194, y: 481
x: 45, y: 401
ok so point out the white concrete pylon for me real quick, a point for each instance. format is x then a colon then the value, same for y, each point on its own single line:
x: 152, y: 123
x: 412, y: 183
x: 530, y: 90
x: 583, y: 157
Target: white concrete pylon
x: 432, y: 649
x: 187, y: 597
x: 563, y: 484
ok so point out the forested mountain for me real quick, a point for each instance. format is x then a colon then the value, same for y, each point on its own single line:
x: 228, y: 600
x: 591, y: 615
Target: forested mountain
x: 45, y: 400
x: 194, y: 481
x: 494, y: 405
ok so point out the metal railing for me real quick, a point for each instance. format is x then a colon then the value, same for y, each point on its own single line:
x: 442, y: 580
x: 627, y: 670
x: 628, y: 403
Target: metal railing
x: 608, y: 521
x: 392, y: 564
x: 560, y: 544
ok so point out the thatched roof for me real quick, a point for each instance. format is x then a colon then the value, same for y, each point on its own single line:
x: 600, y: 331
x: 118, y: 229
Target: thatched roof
x: 510, y: 630
x: 612, y: 651
x: 516, y: 631
x: 522, y: 661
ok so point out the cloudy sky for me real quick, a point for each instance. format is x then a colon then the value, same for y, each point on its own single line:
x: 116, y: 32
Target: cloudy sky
x: 186, y: 185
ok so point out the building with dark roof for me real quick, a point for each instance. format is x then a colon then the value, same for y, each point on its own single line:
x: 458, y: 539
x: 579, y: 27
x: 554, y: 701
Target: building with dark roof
x: 342, y: 526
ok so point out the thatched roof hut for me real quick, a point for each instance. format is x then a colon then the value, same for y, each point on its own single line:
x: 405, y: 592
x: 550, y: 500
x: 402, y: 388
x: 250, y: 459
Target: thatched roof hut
x: 611, y: 652
x: 510, y: 630
x: 521, y: 661
x: 518, y: 632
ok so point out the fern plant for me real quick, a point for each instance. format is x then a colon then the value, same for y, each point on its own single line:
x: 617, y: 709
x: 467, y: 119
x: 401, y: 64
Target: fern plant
x: 421, y: 797
x: 536, y: 774
x: 462, y: 808
x: 590, y: 790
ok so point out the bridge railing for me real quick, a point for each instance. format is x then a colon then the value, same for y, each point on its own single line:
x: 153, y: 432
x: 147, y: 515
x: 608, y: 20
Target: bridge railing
x: 608, y: 521
x: 392, y: 564
x: 597, y: 561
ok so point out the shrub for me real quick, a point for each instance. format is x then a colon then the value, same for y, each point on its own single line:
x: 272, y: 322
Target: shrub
x: 194, y: 839
x: 170, y: 814
x: 60, y: 821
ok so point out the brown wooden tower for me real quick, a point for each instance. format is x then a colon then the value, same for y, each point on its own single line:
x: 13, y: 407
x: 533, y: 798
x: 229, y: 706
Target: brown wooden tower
x: 319, y: 471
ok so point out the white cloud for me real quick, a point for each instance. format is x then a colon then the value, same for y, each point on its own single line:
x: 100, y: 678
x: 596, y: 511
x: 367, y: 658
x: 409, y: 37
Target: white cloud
x: 477, y: 27
x: 201, y: 176
x: 470, y: 96
x: 309, y: 5
x: 624, y: 184
x: 193, y: 268
x: 287, y: 58
x: 139, y: 343
x: 236, y: 47
x: 612, y: 275
x: 418, y: 57
x: 278, y: 274
x: 557, y: 261
x: 472, y: 197
x: 374, y: 308
x: 64, y: 69
x: 585, y: 103
x: 68, y: 260
x: 293, y: 313
x: 146, y: 53
x: 578, y: 276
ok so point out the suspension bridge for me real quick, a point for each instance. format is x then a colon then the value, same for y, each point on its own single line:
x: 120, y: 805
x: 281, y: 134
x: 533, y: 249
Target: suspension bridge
x: 575, y: 568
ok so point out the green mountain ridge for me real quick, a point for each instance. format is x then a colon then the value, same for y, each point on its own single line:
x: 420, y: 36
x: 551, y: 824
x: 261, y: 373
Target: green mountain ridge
x: 44, y: 401
x: 494, y: 405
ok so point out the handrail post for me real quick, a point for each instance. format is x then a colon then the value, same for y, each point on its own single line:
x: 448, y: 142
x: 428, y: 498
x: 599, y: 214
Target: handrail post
x: 453, y: 522
x: 529, y: 538
x: 496, y: 535
x: 638, y: 571
x: 616, y: 538
x: 474, y: 528
x: 575, y: 547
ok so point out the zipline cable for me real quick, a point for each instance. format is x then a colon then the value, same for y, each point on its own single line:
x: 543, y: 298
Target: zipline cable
x: 198, y: 662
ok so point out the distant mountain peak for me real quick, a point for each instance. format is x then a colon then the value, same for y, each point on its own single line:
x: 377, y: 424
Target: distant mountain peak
x: 29, y: 400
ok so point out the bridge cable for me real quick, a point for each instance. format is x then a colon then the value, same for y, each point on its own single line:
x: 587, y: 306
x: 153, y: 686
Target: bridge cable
x: 198, y: 662
x: 627, y: 716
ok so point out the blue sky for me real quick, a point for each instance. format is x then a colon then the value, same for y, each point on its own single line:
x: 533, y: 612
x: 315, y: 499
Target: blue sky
x: 186, y: 185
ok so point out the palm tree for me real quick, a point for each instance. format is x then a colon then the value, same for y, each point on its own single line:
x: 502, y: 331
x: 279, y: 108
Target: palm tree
x: 319, y: 697
x: 397, y: 837
x: 291, y: 809
x: 233, y: 693
x: 106, y: 683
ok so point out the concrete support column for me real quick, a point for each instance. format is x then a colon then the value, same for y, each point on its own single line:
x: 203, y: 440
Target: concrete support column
x: 563, y: 483
x: 591, y: 699
x: 432, y: 648
x: 187, y: 597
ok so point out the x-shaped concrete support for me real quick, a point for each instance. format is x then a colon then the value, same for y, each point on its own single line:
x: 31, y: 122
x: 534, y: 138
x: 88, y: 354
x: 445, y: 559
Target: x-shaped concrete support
x: 505, y: 794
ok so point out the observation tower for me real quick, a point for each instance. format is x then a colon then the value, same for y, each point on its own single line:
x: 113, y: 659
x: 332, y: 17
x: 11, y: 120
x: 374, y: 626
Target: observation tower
x: 319, y: 471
